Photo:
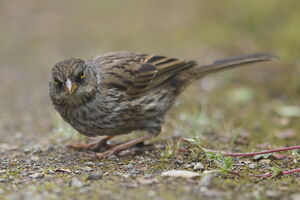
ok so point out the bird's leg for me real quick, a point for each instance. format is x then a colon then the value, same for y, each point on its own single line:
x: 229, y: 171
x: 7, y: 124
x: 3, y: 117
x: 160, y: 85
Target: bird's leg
x: 94, y: 146
x: 126, y: 145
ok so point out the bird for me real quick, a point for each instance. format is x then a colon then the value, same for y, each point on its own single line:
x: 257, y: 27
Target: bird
x: 120, y: 92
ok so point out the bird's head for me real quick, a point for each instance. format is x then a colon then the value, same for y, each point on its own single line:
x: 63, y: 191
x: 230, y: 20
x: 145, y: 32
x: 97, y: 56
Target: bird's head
x: 72, y: 82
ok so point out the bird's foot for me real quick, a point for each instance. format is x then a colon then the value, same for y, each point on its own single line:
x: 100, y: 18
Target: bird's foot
x: 123, y: 146
x: 105, y: 154
x: 95, y: 146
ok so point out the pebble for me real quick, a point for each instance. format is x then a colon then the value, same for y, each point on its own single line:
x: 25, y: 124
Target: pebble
x: 134, y: 172
x: 273, y: 193
x: 34, y: 158
x: 264, y: 161
x: 94, y: 176
x: 295, y: 196
x: 129, y: 166
x: 113, y: 157
x: 76, y: 183
x: 2, y: 180
x: 207, y: 180
x: 198, y: 166
x: 37, y: 175
x: 189, y: 165
x: 89, y: 163
x: 37, y: 150
x: 180, y: 173
x: 87, y: 169
x: 252, y: 165
x: 179, y: 162
x: 27, y: 150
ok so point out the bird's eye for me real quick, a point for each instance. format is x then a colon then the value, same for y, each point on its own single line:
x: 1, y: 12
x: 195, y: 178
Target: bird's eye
x: 82, y: 75
x: 56, y: 82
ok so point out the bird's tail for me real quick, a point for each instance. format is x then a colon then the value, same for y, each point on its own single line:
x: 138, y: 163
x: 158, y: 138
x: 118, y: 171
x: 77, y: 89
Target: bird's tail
x: 197, y: 71
x: 232, y: 62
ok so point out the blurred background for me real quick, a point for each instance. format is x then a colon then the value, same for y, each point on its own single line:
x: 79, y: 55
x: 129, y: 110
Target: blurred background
x: 36, y: 34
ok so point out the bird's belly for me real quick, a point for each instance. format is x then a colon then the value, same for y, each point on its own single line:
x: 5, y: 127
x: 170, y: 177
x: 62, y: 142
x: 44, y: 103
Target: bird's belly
x: 115, y: 118
x: 94, y: 122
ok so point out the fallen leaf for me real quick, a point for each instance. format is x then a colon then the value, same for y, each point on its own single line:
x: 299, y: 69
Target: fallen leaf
x: 263, y: 146
x: 63, y: 170
x: 279, y: 156
x: 182, y: 150
x: 261, y: 156
x: 180, y: 173
x: 242, y: 141
x: 289, y: 133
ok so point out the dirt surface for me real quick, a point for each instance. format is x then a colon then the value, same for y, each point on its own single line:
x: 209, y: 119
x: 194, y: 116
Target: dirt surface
x: 250, y: 109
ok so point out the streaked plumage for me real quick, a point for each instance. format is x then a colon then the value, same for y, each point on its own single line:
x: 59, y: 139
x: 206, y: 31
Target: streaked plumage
x: 116, y: 93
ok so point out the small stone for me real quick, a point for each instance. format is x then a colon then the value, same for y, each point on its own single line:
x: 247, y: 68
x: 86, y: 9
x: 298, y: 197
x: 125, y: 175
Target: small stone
x: 34, y: 158
x: 180, y: 173
x: 273, y: 193
x: 207, y: 180
x: 89, y: 163
x: 117, y: 173
x: 147, y: 181
x: 94, y: 176
x: 126, y: 175
x: 87, y: 169
x: 113, y: 157
x: 50, y: 171
x: 2, y: 180
x: 37, y: 150
x: 189, y: 165
x: 37, y: 175
x: 264, y: 161
x: 129, y: 166
x: 179, y: 162
x: 198, y: 166
x: 63, y: 170
x: 295, y: 196
x: 27, y: 150
x: 134, y: 172
x: 252, y: 165
x: 76, y: 183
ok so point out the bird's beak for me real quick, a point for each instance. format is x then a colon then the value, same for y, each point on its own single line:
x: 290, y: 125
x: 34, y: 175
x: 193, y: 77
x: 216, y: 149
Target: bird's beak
x: 70, y: 87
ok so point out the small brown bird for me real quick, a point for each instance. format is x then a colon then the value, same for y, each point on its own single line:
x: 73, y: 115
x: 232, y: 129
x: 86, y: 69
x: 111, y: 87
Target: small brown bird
x: 117, y: 93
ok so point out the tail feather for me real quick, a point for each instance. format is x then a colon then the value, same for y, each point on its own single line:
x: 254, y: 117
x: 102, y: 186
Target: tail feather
x: 234, y: 62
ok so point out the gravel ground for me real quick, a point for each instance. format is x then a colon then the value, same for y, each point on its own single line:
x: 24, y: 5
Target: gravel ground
x: 251, y: 109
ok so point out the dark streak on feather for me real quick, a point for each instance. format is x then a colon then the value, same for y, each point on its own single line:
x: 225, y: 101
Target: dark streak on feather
x: 155, y: 58
x: 118, y: 86
x: 166, y: 61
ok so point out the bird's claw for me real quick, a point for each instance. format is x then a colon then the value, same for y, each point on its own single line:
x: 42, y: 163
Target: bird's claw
x: 105, y: 154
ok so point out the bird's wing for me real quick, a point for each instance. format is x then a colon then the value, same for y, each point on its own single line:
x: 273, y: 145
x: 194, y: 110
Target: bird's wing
x: 137, y: 74
x: 154, y: 71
